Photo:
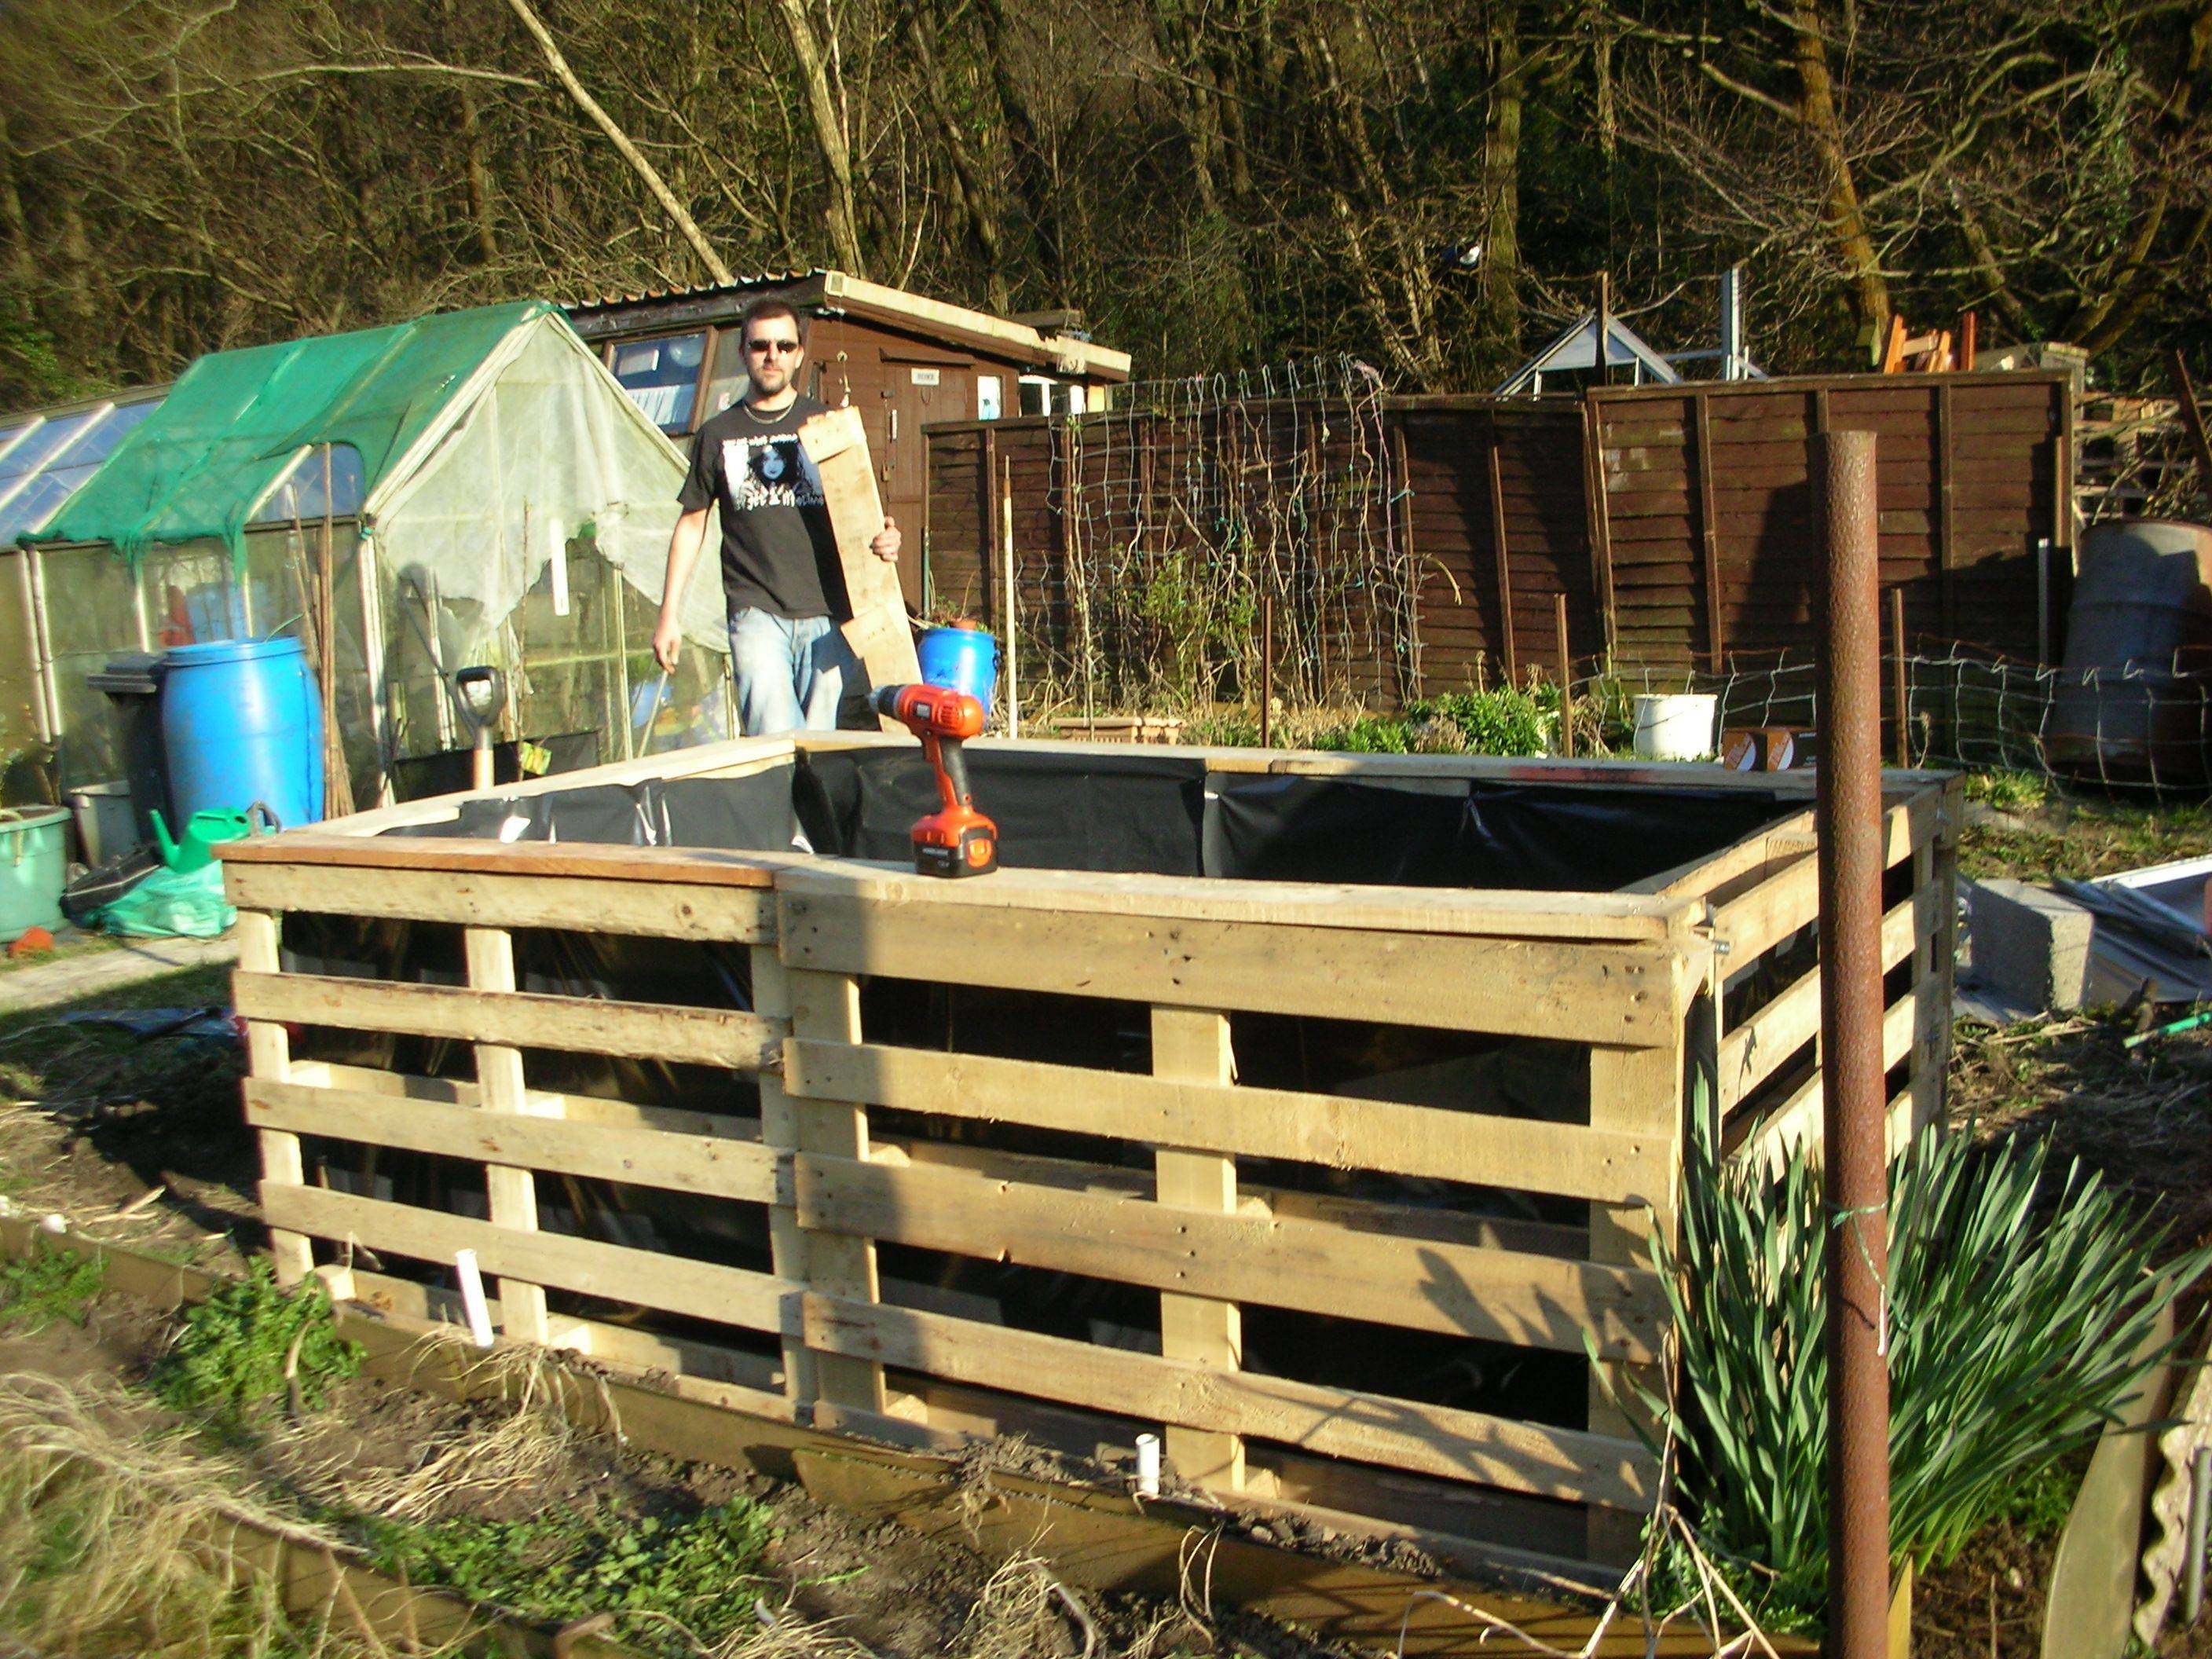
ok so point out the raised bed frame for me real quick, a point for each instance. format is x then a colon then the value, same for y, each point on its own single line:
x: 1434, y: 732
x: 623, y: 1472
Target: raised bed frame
x: 1628, y: 973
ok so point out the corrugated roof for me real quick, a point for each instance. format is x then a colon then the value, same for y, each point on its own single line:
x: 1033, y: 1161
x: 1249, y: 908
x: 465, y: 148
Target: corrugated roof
x: 704, y: 291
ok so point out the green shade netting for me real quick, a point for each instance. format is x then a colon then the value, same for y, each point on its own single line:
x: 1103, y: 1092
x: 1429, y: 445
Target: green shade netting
x: 236, y: 419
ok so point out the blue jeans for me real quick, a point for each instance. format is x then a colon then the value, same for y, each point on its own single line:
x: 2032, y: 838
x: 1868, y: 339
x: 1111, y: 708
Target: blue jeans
x: 790, y: 672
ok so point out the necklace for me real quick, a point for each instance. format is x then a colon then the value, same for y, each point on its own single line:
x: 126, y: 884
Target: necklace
x: 766, y: 420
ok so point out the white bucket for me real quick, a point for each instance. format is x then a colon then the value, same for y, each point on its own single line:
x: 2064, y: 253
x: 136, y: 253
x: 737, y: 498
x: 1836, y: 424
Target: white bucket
x: 1678, y: 726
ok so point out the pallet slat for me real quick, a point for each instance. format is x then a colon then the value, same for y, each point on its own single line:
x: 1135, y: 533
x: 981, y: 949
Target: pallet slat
x: 1336, y: 1130
x: 711, y: 1166
x: 639, y: 1030
x: 1459, y: 1290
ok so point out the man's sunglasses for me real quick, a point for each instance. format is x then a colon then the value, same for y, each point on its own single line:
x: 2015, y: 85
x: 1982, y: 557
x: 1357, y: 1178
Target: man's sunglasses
x: 778, y: 347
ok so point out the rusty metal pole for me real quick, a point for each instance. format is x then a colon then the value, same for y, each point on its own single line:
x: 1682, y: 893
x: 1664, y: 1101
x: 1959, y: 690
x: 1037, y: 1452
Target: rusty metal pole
x: 1856, y: 1164
x: 1566, y: 670
x: 1267, y: 667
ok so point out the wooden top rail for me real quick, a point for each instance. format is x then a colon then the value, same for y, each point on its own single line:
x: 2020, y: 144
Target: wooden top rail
x: 574, y: 875
x: 1626, y: 994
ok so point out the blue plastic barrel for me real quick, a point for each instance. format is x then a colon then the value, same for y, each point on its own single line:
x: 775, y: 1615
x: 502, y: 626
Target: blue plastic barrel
x: 961, y: 659
x: 241, y: 723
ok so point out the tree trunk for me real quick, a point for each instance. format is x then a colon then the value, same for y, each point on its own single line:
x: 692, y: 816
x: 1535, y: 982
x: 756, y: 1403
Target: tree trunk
x: 978, y: 200
x: 829, y: 137
x: 1844, y: 218
x: 15, y: 225
x: 2098, y: 324
x: 1499, y: 277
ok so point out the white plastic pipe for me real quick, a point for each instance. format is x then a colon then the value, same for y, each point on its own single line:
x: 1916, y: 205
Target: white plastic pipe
x: 473, y: 1305
x: 1148, y: 1465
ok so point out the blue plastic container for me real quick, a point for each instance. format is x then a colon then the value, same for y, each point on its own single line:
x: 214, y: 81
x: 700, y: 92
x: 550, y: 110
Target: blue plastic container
x: 241, y: 723
x: 961, y: 659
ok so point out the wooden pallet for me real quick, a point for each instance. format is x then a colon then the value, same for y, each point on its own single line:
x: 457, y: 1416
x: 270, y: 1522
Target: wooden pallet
x: 1627, y: 976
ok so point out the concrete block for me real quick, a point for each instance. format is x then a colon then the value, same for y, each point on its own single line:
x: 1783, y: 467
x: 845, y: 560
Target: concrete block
x: 2030, y: 945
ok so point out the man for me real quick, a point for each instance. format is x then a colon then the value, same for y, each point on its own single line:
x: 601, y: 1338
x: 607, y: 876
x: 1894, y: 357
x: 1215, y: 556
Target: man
x: 782, y: 578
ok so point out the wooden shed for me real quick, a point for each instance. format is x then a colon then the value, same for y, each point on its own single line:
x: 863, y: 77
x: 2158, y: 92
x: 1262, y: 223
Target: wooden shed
x: 1322, y: 1154
x: 904, y: 360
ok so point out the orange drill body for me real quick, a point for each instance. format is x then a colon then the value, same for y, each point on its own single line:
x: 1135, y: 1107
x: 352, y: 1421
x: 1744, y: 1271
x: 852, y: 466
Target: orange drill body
x: 956, y: 840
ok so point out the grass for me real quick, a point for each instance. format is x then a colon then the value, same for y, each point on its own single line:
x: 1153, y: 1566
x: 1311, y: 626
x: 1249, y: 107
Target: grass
x: 48, y: 1287
x: 105, y: 1534
x: 64, y: 947
x: 60, y: 1065
x: 2084, y: 839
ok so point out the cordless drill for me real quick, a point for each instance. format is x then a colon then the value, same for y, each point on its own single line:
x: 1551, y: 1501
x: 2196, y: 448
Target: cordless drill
x: 957, y: 841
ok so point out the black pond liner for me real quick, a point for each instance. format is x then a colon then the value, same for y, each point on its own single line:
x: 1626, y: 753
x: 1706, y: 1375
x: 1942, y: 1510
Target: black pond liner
x: 1161, y: 814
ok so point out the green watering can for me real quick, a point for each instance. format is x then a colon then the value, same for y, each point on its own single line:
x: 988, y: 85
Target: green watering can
x: 204, y: 831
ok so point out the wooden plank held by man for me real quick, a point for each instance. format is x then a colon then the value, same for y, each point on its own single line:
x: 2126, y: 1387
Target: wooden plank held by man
x: 879, y: 633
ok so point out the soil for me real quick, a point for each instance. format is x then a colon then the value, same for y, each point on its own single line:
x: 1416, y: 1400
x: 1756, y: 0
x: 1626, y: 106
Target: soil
x: 1988, y: 1604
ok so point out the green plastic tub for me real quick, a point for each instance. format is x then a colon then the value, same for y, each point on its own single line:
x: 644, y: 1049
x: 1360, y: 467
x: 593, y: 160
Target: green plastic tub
x: 34, y: 868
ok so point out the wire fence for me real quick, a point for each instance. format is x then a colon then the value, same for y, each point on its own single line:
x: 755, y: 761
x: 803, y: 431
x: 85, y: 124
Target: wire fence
x: 2144, y: 727
x: 1196, y: 505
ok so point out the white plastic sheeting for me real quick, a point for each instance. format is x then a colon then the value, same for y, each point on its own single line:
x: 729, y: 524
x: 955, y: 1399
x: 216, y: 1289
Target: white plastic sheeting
x: 542, y: 451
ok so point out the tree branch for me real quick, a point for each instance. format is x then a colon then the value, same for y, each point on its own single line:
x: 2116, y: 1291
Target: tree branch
x: 629, y: 152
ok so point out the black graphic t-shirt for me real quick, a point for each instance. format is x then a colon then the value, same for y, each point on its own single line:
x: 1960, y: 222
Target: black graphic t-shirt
x: 778, y: 552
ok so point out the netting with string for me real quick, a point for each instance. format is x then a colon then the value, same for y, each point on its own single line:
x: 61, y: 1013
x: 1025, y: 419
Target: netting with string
x: 1180, y: 509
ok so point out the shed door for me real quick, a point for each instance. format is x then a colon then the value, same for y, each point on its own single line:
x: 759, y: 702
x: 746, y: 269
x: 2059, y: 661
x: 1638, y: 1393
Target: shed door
x: 917, y: 387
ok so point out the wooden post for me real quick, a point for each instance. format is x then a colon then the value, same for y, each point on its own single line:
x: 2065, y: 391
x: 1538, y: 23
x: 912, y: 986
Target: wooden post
x: 1191, y: 1045
x: 1947, y: 555
x: 1598, y: 520
x: 1639, y: 1091
x: 1508, y: 654
x: 1010, y: 621
x: 269, y: 1054
x: 780, y: 1130
x: 987, y: 529
x: 1566, y: 677
x: 512, y: 1192
x: 1708, y: 532
x: 1900, y: 688
x: 826, y: 1008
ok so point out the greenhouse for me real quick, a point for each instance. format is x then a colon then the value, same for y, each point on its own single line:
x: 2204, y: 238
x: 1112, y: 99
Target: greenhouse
x: 469, y: 488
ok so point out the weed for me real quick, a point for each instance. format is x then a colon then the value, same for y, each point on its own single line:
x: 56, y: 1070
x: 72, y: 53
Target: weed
x: 48, y: 1286
x: 2008, y: 792
x: 666, y: 1579
x: 251, y: 1342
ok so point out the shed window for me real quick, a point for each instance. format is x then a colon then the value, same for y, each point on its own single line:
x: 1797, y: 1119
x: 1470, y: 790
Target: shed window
x: 662, y: 377
x: 1040, y: 394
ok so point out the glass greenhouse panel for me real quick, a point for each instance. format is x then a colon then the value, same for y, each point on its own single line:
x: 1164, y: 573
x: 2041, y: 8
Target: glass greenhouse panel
x: 300, y: 494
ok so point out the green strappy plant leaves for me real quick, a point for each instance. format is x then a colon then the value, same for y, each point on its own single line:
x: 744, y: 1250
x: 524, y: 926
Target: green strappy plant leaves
x: 2023, y: 1304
